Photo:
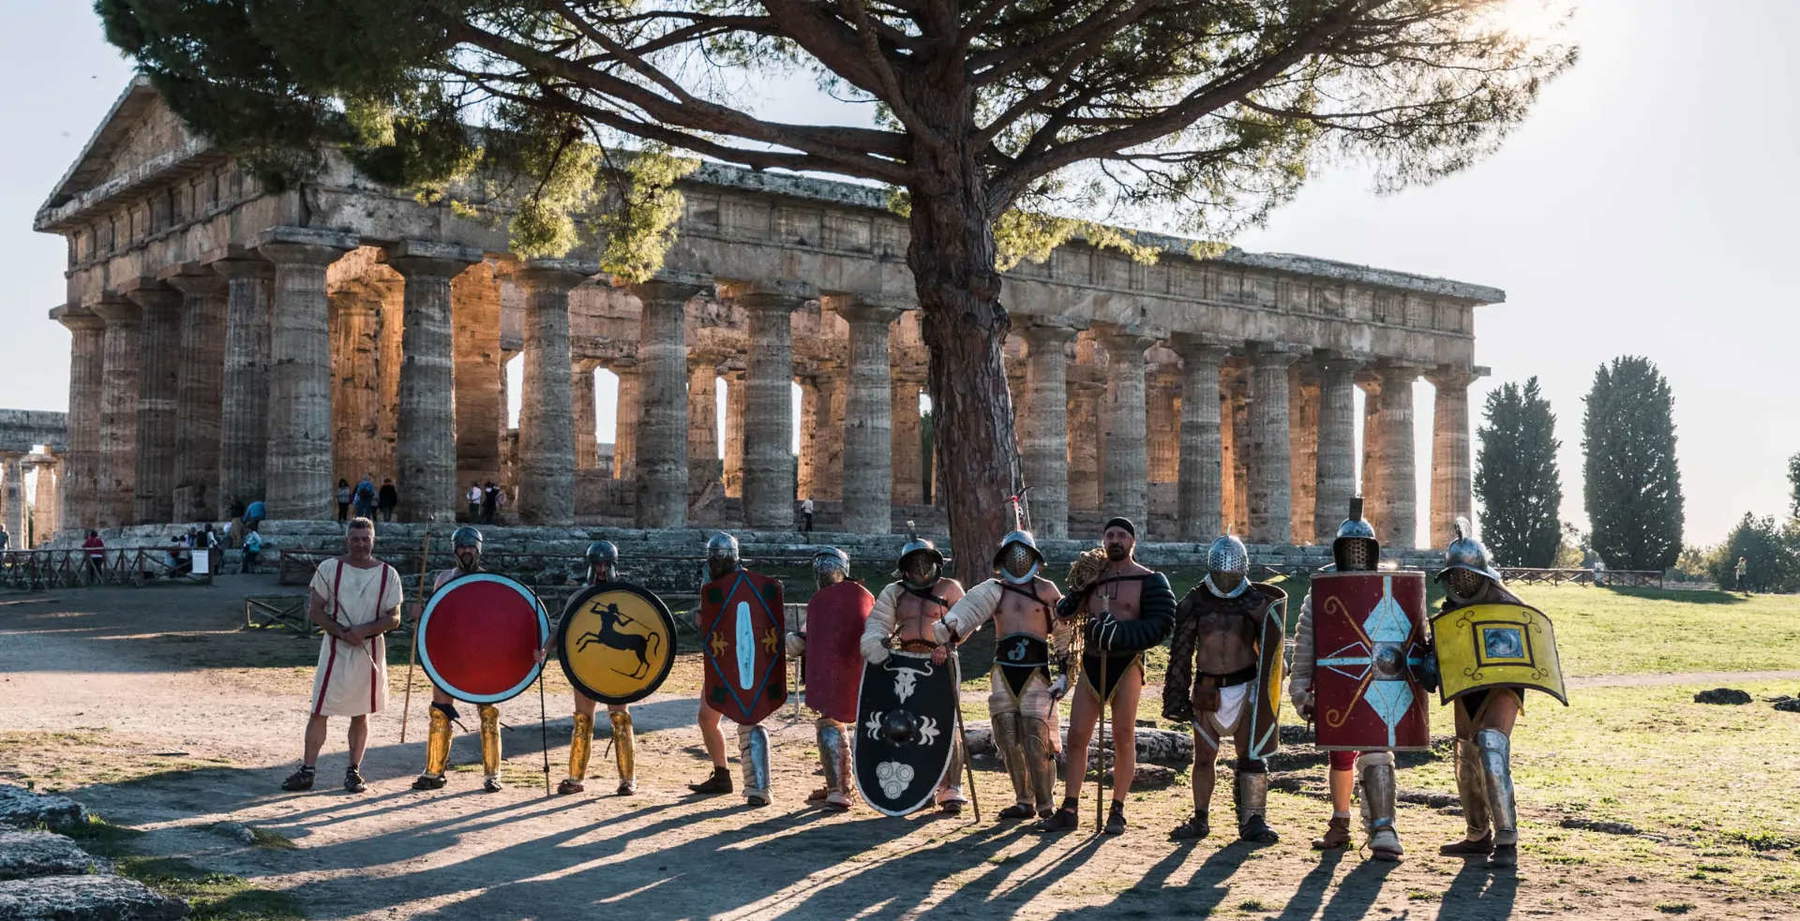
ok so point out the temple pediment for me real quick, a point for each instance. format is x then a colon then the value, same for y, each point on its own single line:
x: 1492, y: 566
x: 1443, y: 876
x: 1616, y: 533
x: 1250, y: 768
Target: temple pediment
x: 138, y: 142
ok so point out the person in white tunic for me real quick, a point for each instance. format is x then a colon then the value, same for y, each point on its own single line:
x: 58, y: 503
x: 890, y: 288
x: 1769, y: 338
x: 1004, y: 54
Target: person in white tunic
x: 355, y: 599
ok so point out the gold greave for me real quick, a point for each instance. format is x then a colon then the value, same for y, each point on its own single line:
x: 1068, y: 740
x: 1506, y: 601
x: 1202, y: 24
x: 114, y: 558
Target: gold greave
x: 437, y: 743
x: 1471, y: 788
x: 581, y: 745
x: 490, y: 739
x: 624, y: 745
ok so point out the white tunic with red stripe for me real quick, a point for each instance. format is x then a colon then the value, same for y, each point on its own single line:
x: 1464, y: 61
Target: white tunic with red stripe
x: 352, y: 680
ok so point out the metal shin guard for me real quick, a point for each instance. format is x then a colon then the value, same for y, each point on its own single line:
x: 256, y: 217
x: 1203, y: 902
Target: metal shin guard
x: 1250, y: 793
x: 1040, y: 760
x: 1471, y: 788
x: 1378, y: 799
x: 581, y: 744
x: 490, y: 740
x: 834, y: 757
x: 753, y: 758
x: 1011, y: 745
x: 624, y: 745
x: 437, y: 744
x: 1496, y: 770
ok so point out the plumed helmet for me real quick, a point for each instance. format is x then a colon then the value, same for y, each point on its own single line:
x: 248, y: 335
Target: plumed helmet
x: 722, y: 547
x: 1018, y: 559
x: 916, y: 544
x: 465, y: 536
x: 1467, y: 551
x: 1228, y: 554
x: 828, y: 560
x: 1355, y: 547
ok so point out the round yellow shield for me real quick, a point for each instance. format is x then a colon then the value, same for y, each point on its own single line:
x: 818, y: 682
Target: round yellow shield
x: 616, y: 642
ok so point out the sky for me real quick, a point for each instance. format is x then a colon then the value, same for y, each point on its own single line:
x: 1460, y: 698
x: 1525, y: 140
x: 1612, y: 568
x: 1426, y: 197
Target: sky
x: 1645, y: 208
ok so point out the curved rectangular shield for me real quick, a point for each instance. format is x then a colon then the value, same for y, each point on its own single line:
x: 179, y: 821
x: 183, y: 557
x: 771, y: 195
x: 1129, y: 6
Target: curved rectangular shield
x: 1369, y: 636
x: 742, y: 623
x: 905, y: 731
x: 1265, y: 703
x: 1487, y: 646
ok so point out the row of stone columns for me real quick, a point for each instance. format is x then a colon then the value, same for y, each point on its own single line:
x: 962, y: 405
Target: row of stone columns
x: 37, y: 516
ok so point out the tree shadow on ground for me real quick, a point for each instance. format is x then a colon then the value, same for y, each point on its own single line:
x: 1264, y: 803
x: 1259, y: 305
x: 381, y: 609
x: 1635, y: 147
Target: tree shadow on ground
x: 1664, y: 594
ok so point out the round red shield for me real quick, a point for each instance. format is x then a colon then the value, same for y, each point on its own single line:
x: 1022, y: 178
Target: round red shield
x: 479, y: 637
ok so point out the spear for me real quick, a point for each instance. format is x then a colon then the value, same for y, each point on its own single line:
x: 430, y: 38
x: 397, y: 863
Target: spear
x: 412, y: 654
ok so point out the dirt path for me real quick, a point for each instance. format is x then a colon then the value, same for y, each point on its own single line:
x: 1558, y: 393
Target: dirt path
x: 120, y: 665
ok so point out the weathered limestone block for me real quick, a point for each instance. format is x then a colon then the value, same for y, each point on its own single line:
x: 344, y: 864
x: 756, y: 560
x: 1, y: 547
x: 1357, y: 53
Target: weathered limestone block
x: 908, y: 452
x: 426, y: 449
x: 1452, y: 468
x: 1303, y: 441
x: 199, y: 390
x: 1335, y: 477
x: 1398, y: 525
x: 244, y: 400
x: 1044, y: 427
x: 546, y: 438
x: 480, y: 402
x: 705, y: 467
x: 26, y: 809
x: 662, y: 431
x: 1124, y: 459
x: 159, y: 356
x: 1269, y: 454
x: 47, y: 507
x: 118, y: 412
x: 768, y: 424
x: 25, y: 854
x: 1198, y: 499
x: 868, y: 456
x: 298, y: 461
x: 81, y: 465
x: 86, y: 898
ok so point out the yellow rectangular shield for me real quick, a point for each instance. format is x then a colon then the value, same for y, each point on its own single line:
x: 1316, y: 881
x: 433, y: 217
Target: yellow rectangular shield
x: 1487, y: 646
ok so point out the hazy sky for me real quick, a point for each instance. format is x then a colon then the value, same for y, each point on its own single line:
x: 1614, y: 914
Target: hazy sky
x: 1646, y: 208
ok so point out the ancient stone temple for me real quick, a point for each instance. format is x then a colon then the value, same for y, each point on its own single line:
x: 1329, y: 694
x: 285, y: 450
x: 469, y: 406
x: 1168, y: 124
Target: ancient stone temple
x: 231, y: 343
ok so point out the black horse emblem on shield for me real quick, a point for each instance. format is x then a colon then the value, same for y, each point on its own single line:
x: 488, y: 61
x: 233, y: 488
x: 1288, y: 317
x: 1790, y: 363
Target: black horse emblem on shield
x: 611, y: 636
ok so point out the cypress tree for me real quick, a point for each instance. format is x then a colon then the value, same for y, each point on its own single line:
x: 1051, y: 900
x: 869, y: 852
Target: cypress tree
x: 1632, y: 483
x: 1516, y: 479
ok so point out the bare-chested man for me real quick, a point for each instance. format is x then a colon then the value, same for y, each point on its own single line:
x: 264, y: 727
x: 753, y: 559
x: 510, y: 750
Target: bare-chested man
x: 1127, y: 609
x: 1214, y: 670
x: 1022, y: 702
x: 906, y: 611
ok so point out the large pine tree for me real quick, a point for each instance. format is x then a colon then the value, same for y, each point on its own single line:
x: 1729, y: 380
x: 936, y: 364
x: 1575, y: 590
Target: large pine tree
x: 1632, y: 483
x: 1516, y: 477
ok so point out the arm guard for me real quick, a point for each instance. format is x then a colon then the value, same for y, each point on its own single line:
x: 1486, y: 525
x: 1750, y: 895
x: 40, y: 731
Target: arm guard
x: 1178, y: 702
x: 880, y: 626
x: 968, y: 614
x: 1300, y: 671
x: 1156, y: 617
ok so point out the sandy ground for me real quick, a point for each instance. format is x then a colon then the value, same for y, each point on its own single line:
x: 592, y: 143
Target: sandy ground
x: 135, y: 678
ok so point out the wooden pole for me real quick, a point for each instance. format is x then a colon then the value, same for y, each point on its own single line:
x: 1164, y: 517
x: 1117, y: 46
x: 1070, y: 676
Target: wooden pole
x: 412, y: 654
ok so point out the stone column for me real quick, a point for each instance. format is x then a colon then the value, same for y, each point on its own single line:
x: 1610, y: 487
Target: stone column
x: 662, y: 436
x: 1199, y: 494
x: 1303, y: 440
x: 814, y: 409
x: 546, y: 438
x: 118, y: 412
x: 298, y: 465
x: 17, y: 515
x: 244, y: 397
x: 199, y: 383
x: 829, y: 467
x: 585, y: 410
x: 1452, y: 470
x: 44, y: 498
x: 704, y: 465
x: 908, y: 451
x: 1162, y: 423
x: 1044, y: 428
x: 628, y: 410
x: 1124, y: 462
x: 735, y: 408
x: 1399, y: 483
x: 768, y: 424
x: 1271, y: 502
x: 1239, y: 468
x: 1085, y: 397
x: 153, y: 498
x: 426, y: 448
x: 81, y: 463
x: 480, y: 381
x: 868, y: 491
x: 1335, y: 478
x: 1374, y: 507
x: 357, y: 445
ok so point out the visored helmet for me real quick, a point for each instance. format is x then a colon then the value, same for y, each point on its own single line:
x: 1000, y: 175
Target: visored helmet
x: 917, y: 547
x: 1467, y: 553
x: 1227, y: 566
x: 830, y: 562
x: 1018, y: 559
x: 602, y: 554
x: 721, y: 554
x: 1355, y: 548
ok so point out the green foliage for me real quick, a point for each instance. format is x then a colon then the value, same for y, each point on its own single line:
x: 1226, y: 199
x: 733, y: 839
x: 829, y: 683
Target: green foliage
x: 1794, y: 485
x: 1632, y: 484
x: 1771, y: 554
x: 640, y: 229
x: 1516, y: 479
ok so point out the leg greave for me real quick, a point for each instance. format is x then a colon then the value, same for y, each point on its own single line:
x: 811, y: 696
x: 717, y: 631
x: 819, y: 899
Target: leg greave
x: 834, y: 757
x: 581, y: 745
x: 1377, y: 797
x: 1011, y: 745
x: 624, y: 745
x: 1471, y: 788
x: 1496, y: 770
x: 490, y: 740
x: 753, y: 759
x: 1250, y: 789
x: 437, y: 743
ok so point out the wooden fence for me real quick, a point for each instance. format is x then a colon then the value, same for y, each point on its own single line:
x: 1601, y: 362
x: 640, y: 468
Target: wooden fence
x: 39, y: 570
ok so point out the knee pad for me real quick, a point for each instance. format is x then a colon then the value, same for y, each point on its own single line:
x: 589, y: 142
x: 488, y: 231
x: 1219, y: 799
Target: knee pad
x: 1252, y: 766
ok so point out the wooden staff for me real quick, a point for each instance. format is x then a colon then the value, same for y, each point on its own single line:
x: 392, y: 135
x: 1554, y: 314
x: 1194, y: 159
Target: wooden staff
x: 962, y: 735
x: 412, y: 654
x: 544, y: 731
x: 1100, y: 751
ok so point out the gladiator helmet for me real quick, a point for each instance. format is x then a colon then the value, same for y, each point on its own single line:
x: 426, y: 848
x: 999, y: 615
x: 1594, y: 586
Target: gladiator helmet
x: 465, y: 536
x: 1227, y: 567
x: 602, y: 553
x: 914, y: 546
x: 1355, y: 548
x: 1466, y: 553
x: 828, y: 562
x: 1019, y: 558
x: 721, y: 554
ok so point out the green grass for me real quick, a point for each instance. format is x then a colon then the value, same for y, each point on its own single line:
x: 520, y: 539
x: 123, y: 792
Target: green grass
x: 1602, y: 631
x: 213, y: 896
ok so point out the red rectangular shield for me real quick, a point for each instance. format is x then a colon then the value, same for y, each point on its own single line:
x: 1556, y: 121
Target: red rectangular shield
x: 1368, y: 636
x: 741, y: 638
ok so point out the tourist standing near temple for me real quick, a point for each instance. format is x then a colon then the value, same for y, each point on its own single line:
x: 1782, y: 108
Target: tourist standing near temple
x: 355, y: 599
x: 388, y: 499
x: 1125, y: 608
